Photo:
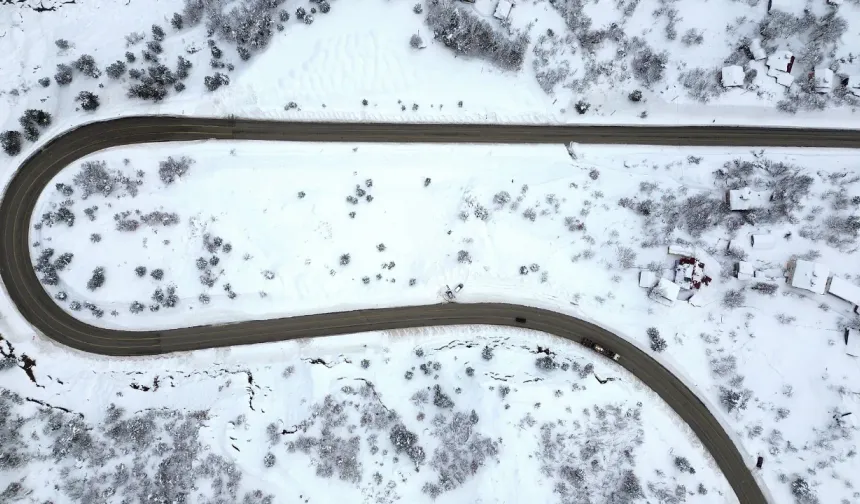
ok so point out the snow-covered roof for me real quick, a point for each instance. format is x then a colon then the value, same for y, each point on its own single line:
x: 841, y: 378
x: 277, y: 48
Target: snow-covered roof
x: 503, y: 9
x: 733, y: 75
x: 701, y: 298
x: 669, y: 290
x: 762, y: 241
x: 854, y: 84
x: 757, y: 50
x: 852, y: 342
x: 747, y: 199
x: 782, y: 78
x: 781, y: 61
x: 844, y: 289
x: 647, y: 279
x: 682, y: 250
x: 745, y: 270
x: 809, y: 275
x: 770, y: 274
x: 823, y: 78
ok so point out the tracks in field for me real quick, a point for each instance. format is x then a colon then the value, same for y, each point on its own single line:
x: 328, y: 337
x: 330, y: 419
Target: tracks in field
x: 34, y: 303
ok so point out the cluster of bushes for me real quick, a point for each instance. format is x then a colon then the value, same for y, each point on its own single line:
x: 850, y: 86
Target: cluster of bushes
x: 154, y: 84
x: 32, y: 121
x: 465, y: 33
x: 49, y: 269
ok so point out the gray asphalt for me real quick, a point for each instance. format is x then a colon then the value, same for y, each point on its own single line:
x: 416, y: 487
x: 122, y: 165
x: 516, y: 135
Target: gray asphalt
x: 39, y: 309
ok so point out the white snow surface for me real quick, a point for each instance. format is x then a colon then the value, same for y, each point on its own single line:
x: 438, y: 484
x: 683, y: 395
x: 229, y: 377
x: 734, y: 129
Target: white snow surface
x: 289, y: 385
x: 556, y: 236
x: 360, y: 51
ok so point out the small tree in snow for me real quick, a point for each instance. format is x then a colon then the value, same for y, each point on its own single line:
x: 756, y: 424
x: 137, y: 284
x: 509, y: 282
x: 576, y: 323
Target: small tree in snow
x: 116, y: 69
x: 63, y: 77
x: 11, y: 142
x: 658, y: 344
x: 89, y: 101
x: 97, y: 280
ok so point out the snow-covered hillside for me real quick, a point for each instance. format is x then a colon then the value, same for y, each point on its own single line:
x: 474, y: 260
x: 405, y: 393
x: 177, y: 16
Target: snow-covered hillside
x: 242, y: 230
x: 564, y: 61
x: 464, y: 414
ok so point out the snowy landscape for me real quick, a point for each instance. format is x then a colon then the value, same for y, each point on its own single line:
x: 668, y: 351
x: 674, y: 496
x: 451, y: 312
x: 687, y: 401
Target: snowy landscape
x: 735, y: 268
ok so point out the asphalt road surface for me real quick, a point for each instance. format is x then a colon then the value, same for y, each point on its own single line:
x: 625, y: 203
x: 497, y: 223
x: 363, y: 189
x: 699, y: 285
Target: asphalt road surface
x: 16, y: 265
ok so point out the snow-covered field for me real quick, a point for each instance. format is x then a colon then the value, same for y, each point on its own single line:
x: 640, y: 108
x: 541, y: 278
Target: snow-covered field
x: 466, y: 414
x: 356, y: 63
x: 315, y: 228
x: 305, y: 228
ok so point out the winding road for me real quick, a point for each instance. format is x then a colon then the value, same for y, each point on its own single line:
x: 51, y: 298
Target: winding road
x: 38, y: 308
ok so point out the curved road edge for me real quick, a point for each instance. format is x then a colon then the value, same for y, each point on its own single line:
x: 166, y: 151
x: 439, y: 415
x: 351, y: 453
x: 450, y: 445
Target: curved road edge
x: 37, y: 307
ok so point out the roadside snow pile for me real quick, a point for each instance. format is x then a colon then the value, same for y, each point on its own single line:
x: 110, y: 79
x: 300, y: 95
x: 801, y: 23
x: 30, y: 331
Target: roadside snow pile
x: 343, y: 230
x: 411, y: 417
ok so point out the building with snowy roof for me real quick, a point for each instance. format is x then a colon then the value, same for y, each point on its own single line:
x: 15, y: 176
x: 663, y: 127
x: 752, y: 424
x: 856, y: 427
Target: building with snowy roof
x: 843, y: 289
x: 503, y: 9
x: 809, y: 276
x: 733, y: 76
x: 779, y: 65
x: 747, y: 199
x: 853, y: 84
x: 757, y: 50
x: 666, y: 292
x: 823, y: 79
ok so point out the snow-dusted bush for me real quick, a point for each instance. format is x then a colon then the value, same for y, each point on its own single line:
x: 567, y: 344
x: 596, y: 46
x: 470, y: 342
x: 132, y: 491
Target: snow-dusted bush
x: 734, y: 298
x: 160, y: 218
x: 465, y: 33
x: 157, y: 33
x: 462, y: 451
x: 172, y: 169
x: 765, y: 288
x: 62, y: 44
x: 182, y: 67
x: 63, y: 77
x: 97, y: 279
x: 86, y: 64
x: 39, y: 117
x: 45, y: 82
x: 546, y: 363
x: 11, y: 142
x: 89, y: 101
x: 487, y: 353
x: 647, y: 65
x: 626, y: 257
x: 176, y: 21
x: 464, y: 257
x: 702, y: 84
x: 116, y: 69
x: 269, y: 460
x: 658, y: 344
x: 692, y: 37
x: 405, y: 441
x: 415, y: 41
x: 213, y: 82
